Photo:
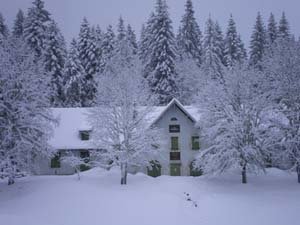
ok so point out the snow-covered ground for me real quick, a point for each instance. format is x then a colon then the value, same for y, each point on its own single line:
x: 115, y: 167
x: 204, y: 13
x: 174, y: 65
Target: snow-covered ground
x: 272, y: 199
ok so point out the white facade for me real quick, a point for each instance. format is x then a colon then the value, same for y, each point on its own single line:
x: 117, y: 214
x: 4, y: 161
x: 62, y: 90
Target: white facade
x: 72, y: 121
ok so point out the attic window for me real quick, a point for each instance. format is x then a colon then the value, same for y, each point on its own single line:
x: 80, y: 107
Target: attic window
x: 174, y: 128
x: 173, y: 119
x: 84, y: 135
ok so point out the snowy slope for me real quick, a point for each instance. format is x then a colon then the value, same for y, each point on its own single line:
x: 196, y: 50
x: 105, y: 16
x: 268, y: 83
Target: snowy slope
x: 99, y: 199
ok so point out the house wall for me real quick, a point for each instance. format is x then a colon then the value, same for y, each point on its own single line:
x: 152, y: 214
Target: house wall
x: 187, y: 130
x: 43, y: 166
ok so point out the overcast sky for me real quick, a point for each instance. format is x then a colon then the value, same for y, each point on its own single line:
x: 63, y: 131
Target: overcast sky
x: 69, y: 13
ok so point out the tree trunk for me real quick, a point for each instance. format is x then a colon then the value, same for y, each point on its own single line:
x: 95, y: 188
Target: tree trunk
x: 78, y: 173
x: 123, y: 173
x: 244, y: 174
x: 298, y: 172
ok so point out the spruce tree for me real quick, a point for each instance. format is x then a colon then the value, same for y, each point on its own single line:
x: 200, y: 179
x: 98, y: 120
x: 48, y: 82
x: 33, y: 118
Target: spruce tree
x: 258, y: 42
x: 35, y: 26
x: 89, y: 59
x: 212, y: 62
x: 220, y: 42
x: 283, y: 28
x: 189, y: 35
x: 132, y: 38
x: 18, y: 28
x: 145, y: 41
x: 121, y: 29
x: 234, y: 52
x: 161, y: 65
x: 74, y: 79
x: 54, y: 61
x: 272, y: 31
x: 107, y: 47
x: 3, y: 28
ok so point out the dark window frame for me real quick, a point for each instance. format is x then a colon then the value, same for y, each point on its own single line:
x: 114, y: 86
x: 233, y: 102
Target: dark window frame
x: 84, y: 135
x: 174, y: 128
x: 174, y: 147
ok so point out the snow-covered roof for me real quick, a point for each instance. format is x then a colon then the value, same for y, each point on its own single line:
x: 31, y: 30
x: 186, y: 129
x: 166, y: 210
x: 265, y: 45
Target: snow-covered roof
x: 73, y: 120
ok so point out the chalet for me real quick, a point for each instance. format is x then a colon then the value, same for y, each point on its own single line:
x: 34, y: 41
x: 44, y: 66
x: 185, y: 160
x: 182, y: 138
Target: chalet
x: 177, y: 121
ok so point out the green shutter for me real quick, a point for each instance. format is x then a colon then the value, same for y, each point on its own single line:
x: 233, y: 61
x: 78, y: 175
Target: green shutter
x: 195, y: 143
x: 174, y: 143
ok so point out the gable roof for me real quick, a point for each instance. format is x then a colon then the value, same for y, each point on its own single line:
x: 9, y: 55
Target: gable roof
x: 182, y: 108
x: 72, y: 120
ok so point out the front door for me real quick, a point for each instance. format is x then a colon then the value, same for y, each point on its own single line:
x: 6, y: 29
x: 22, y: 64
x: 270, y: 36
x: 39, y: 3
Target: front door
x: 175, y: 169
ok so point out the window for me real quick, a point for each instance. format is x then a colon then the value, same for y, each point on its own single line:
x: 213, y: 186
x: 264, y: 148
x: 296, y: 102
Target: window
x: 174, y: 155
x: 174, y: 143
x: 195, y: 143
x: 55, y: 161
x: 174, y: 128
x: 84, y: 154
x: 173, y: 119
x: 85, y: 135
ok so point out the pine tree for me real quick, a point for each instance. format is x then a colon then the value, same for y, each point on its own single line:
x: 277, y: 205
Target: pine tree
x: 161, y: 65
x: 212, y: 62
x: 283, y: 27
x: 234, y: 52
x: 35, y: 26
x: 18, y: 28
x: 89, y: 59
x: 189, y: 35
x: 54, y: 61
x: 272, y: 31
x: 132, y: 38
x: 3, y: 29
x: 258, y: 42
x: 74, y: 78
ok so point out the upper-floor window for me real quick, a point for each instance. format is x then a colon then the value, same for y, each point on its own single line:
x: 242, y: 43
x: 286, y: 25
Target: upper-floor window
x: 174, y: 128
x: 195, y: 143
x: 173, y: 119
x: 85, y: 135
x: 174, y: 143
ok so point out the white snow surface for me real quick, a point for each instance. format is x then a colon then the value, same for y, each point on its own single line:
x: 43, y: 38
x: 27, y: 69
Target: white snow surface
x: 99, y: 199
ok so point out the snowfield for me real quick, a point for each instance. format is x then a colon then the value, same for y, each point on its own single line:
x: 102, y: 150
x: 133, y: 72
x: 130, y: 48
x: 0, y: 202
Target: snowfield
x: 98, y: 198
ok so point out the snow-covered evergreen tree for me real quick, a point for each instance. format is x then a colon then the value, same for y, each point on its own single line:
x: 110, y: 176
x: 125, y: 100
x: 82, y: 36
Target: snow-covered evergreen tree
x: 232, y: 123
x: 283, y: 27
x: 145, y: 41
x: 258, y: 42
x: 272, y: 31
x: 121, y: 29
x: 87, y: 49
x: 54, y: 61
x: 130, y: 34
x: 18, y: 28
x: 35, y: 26
x: 212, y: 52
x: 234, y: 52
x: 189, y: 35
x: 74, y: 78
x: 161, y: 65
x: 24, y: 108
x: 119, y: 122
x: 3, y: 29
x: 107, y: 47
